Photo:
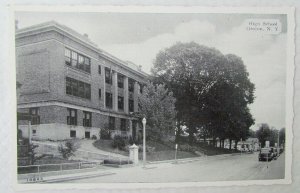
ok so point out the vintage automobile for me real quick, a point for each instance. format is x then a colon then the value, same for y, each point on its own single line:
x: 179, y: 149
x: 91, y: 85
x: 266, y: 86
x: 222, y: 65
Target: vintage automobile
x: 265, y: 154
x: 275, y: 152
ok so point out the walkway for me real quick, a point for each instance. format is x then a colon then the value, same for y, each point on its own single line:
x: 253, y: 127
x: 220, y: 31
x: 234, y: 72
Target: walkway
x: 86, y: 150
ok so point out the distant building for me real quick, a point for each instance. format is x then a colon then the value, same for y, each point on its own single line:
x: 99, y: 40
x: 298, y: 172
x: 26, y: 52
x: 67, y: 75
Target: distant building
x: 73, y: 87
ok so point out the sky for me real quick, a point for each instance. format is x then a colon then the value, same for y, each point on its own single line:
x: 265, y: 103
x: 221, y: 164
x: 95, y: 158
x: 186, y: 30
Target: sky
x: 138, y: 37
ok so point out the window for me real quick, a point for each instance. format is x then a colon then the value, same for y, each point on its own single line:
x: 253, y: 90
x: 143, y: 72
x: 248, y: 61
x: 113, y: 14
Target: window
x: 111, y: 123
x: 72, y: 134
x: 72, y: 117
x: 87, y: 119
x: 99, y: 69
x: 108, y: 77
x: 35, y: 116
x: 74, y: 59
x: 34, y: 131
x: 130, y: 85
x: 123, y: 125
x: 131, y: 105
x: 81, y: 65
x: 68, y: 57
x: 78, y: 61
x: 120, y: 81
x: 108, y: 98
x: 120, y: 103
x: 78, y: 88
x: 100, y: 94
x: 87, y: 63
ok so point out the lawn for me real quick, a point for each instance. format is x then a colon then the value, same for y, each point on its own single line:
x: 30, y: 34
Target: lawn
x: 160, y: 152
x: 105, y: 145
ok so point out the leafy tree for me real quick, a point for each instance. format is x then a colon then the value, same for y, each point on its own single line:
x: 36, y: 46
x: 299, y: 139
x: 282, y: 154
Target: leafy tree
x: 212, y: 90
x: 282, y: 136
x: 157, y: 104
x: 68, y: 149
x: 265, y: 133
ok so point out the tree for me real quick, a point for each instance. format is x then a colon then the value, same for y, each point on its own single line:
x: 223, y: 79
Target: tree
x: 157, y: 104
x: 212, y: 90
x: 265, y: 133
x: 282, y: 136
x: 68, y: 149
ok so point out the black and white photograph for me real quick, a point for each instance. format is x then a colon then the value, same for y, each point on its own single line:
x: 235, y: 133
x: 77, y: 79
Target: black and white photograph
x: 150, y: 96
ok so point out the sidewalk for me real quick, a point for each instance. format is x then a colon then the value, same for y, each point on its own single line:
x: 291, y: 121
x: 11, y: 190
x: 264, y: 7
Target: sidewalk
x: 86, y: 147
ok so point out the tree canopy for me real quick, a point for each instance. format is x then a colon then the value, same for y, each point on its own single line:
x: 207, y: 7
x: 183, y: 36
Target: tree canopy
x: 212, y: 90
x: 157, y: 104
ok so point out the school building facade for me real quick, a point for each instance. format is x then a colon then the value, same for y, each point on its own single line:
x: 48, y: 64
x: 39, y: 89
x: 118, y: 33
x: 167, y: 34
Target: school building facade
x: 72, y: 87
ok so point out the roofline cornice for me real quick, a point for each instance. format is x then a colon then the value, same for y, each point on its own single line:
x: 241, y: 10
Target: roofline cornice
x: 72, y: 34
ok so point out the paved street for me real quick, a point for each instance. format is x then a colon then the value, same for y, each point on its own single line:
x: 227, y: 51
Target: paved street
x: 216, y: 168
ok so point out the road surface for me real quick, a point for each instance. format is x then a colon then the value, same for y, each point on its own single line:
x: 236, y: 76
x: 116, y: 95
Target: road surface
x: 215, y: 168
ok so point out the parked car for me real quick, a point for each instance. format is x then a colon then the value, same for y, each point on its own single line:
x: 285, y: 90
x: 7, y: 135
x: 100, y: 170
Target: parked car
x: 281, y: 150
x: 265, y: 154
x: 275, y: 152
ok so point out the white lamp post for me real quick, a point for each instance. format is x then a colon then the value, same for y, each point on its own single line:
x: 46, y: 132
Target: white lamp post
x: 144, y: 141
x: 175, y: 143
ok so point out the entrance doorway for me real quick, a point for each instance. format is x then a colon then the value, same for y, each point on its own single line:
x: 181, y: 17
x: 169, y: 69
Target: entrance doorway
x: 87, y: 134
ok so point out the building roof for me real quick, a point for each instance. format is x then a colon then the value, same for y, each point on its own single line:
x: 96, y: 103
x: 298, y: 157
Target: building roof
x: 83, y: 39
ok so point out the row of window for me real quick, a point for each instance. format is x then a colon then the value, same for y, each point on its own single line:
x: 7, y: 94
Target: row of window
x: 87, y: 120
x: 78, y: 88
x: 81, y: 89
x: 72, y: 119
x: 82, y: 62
x: 109, y: 104
x: 77, y: 60
x: 120, y: 79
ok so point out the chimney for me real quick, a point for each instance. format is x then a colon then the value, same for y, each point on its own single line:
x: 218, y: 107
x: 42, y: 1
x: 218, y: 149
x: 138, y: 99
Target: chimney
x: 85, y: 35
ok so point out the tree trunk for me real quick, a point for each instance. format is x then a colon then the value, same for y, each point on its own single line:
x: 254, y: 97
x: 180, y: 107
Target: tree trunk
x: 230, y: 144
x: 235, y: 145
x: 223, y: 145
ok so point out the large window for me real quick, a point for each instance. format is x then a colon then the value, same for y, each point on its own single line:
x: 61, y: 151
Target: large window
x: 72, y: 117
x: 78, y: 88
x: 87, y: 119
x: 131, y: 105
x: 120, y: 81
x: 111, y: 123
x: 108, y: 100
x: 108, y: 76
x: 35, y: 120
x: 130, y: 85
x: 120, y: 103
x: 123, y: 125
x: 77, y: 60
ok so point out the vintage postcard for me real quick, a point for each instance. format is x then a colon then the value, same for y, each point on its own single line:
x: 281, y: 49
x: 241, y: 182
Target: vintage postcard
x: 153, y: 96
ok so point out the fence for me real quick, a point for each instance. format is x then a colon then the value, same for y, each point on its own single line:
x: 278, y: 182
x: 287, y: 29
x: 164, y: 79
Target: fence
x: 56, y: 167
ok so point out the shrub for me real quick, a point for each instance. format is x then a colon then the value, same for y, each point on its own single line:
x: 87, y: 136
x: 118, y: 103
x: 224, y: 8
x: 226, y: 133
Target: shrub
x: 119, y: 142
x: 104, y: 133
x: 94, y: 137
x: 132, y: 141
x: 68, y: 149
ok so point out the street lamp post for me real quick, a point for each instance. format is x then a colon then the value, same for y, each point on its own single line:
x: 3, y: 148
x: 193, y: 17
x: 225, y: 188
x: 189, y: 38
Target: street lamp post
x: 144, y: 141
x: 176, y: 143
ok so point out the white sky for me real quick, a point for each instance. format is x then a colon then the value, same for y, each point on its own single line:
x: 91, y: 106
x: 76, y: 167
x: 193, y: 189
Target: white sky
x: 139, y: 37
